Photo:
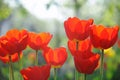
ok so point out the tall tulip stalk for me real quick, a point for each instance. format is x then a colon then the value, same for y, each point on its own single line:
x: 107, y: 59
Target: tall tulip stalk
x: 103, y: 38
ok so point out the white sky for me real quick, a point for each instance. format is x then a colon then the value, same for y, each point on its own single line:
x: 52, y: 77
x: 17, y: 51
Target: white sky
x: 38, y: 8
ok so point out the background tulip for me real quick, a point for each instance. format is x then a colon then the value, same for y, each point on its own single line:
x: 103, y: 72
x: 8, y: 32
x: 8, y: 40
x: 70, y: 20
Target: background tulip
x: 56, y: 57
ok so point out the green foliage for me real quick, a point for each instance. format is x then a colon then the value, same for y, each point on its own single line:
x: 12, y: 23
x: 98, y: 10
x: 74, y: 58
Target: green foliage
x: 23, y: 11
x: 4, y: 10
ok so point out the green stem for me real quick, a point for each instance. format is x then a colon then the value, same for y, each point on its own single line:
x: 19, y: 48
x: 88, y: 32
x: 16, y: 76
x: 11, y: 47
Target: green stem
x: 20, y: 62
x: 36, y: 61
x: 11, y: 73
x: 20, y: 65
x: 76, y: 75
x: 84, y: 77
x: 55, y: 74
x: 102, y: 65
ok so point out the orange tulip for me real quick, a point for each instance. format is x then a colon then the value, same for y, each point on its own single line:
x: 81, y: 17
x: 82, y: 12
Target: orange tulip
x: 39, y: 41
x: 14, y: 41
x: 103, y: 37
x: 77, y: 29
x: 83, y: 47
x: 36, y: 73
x: 56, y: 57
x: 14, y: 58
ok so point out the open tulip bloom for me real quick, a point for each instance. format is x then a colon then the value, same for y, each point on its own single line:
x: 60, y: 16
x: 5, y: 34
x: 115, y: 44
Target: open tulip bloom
x: 103, y: 37
x: 77, y: 29
x: 56, y: 57
x: 14, y: 41
x: 39, y: 41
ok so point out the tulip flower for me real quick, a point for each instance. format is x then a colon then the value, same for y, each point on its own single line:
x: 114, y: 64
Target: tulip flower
x: 14, y: 41
x: 86, y: 64
x: 103, y: 37
x: 85, y: 60
x: 3, y: 52
x: 77, y: 29
x: 36, y: 72
x: 14, y: 58
x: 56, y: 57
x: 83, y: 47
x: 39, y: 41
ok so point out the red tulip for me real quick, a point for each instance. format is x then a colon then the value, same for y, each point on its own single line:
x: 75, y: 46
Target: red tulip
x: 77, y: 29
x: 103, y: 37
x: 14, y: 41
x: 85, y: 61
x: 36, y: 73
x: 39, y: 41
x: 3, y: 52
x: 83, y: 47
x: 86, y: 64
x: 56, y: 57
x: 14, y: 58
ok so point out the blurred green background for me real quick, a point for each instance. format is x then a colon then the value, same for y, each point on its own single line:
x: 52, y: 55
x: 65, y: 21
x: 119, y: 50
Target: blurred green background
x: 49, y: 16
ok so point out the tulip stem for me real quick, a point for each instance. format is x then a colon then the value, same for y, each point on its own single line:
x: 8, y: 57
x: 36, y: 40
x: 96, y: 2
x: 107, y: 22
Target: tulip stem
x: 20, y: 65
x: 102, y: 65
x: 36, y: 61
x: 76, y: 75
x: 20, y: 61
x: 84, y: 77
x: 11, y: 73
x: 55, y: 74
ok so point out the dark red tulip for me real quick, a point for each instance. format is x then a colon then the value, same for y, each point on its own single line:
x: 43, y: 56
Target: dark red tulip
x: 86, y: 64
x: 36, y: 72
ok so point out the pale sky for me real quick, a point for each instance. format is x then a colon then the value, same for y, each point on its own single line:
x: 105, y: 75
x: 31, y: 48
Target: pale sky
x: 38, y: 8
